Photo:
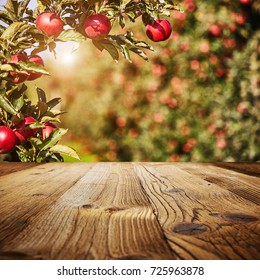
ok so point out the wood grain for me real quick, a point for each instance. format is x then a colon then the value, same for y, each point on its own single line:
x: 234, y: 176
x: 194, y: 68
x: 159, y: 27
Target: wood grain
x: 27, y: 194
x: 252, y: 169
x: 10, y: 167
x: 201, y: 220
x: 241, y: 184
x: 102, y: 215
x: 129, y: 211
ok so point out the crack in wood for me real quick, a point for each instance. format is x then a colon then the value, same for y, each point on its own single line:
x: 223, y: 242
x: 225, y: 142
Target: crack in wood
x: 240, y: 217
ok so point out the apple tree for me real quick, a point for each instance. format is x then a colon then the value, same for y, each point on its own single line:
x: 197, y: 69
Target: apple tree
x: 30, y: 131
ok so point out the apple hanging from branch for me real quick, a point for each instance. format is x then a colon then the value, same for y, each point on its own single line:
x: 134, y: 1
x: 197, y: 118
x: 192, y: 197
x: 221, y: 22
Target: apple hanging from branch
x: 50, y: 24
x: 18, y: 77
x: 8, y: 139
x: 22, y: 131
x: 38, y: 60
x: 97, y: 26
x: 158, y: 30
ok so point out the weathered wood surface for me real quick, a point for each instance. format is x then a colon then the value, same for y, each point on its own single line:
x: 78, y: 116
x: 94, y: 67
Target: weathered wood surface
x: 129, y: 211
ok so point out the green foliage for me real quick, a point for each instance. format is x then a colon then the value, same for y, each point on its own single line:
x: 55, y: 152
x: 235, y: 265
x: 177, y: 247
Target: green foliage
x: 15, y: 105
x: 21, y: 33
x: 198, y: 101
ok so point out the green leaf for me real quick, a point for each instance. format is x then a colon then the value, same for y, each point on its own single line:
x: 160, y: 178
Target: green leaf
x: 55, y: 113
x: 173, y: 7
x: 122, y: 21
x: 61, y: 149
x: 41, y: 94
x: 144, y: 45
x: 7, y: 55
x: 21, y: 148
x: 22, y: 7
x: 92, y: 2
x: 12, y: 7
x: 55, y: 101
x: 131, y: 15
x: 98, y: 45
x: 70, y: 1
x: 139, y: 52
x: 146, y: 18
x: 30, y: 66
x: 15, y: 28
x: 42, y: 107
x: 40, y: 48
x: 23, y: 89
x: 71, y: 35
x: 45, y: 2
x: 166, y: 13
x: 4, y: 75
x: 112, y: 50
x: 18, y: 102
x: 125, y: 52
x: 6, y: 104
x: 7, y: 68
x: 49, y: 119
x: 54, y: 137
x: 34, y: 125
x: 5, y: 18
x: 24, y: 154
x: 35, y: 141
x: 12, y: 89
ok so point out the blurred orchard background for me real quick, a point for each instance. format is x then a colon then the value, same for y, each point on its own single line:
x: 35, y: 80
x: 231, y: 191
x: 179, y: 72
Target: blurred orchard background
x: 196, y: 99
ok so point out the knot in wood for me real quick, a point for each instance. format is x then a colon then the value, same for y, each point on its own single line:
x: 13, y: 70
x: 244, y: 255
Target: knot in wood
x: 189, y: 228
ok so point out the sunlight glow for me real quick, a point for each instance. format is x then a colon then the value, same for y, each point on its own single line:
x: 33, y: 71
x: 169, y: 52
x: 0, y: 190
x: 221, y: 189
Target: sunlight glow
x: 66, y: 56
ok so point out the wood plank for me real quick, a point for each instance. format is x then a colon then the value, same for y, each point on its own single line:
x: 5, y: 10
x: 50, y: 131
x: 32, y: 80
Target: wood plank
x: 25, y: 194
x: 11, y: 167
x: 252, y: 169
x: 103, y: 215
x: 241, y: 184
x: 201, y: 220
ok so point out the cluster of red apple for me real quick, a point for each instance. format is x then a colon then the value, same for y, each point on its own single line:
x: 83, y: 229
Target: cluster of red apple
x: 98, y: 26
x: 9, y: 138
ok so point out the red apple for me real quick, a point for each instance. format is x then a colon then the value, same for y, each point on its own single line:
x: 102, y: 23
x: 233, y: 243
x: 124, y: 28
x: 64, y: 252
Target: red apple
x: 18, y: 77
x: 8, y: 140
x: 190, y: 5
x: 239, y: 18
x: 195, y: 64
x: 22, y: 132
x: 204, y: 46
x: 49, y: 23
x: 97, y: 26
x: 245, y: 2
x: 47, y: 129
x: 215, y: 30
x: 221, y: 144
x: 220, y: 72
x: 38, y: 60
x: 241, y: 107
x: 159, y: 30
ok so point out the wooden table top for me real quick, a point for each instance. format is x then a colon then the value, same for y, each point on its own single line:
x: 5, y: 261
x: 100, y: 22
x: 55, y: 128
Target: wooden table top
x: 129, y: 211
